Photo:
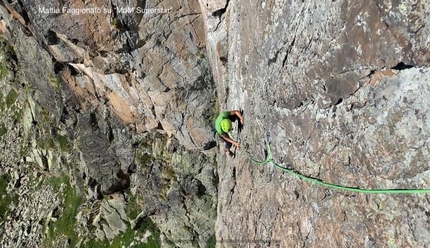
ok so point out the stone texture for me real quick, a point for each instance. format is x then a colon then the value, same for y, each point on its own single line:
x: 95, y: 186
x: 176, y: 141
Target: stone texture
x: 125, y: 101
x: 179, y: 189
x: 340, y: 87
x: 98, y: 87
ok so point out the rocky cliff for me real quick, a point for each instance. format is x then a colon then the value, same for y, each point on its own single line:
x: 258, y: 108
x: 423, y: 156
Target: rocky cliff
x: 341, y: 90
x: 107, y: 110
x: 107, y: 106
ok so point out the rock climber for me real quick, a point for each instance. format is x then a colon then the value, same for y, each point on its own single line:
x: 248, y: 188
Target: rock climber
x: 223, y: 125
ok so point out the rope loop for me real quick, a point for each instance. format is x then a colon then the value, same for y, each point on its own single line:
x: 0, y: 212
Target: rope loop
x: 269, y: 159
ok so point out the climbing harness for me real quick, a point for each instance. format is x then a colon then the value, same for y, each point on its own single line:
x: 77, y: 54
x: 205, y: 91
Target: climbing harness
x: 269, y: 159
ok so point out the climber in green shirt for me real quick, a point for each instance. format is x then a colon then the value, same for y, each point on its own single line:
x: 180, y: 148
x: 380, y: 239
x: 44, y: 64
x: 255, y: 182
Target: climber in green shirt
x: 223, y: 125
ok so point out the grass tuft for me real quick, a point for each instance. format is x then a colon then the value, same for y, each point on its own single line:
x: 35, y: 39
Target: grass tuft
x: 11, y: 98
x: 3, y: 129
x: 64, y: 226
x: 131, y: 238
x: 5, y: 198
x: 63, y: 143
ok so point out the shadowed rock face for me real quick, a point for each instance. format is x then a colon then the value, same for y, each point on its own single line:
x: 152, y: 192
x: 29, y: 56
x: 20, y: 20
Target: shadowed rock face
x: 316, y: 77
x: 105, y: 90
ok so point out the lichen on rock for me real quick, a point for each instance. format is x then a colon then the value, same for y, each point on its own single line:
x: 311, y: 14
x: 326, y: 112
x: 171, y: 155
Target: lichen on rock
x: 98, y: 89
x: 107, y: 130
x: 336, y: 85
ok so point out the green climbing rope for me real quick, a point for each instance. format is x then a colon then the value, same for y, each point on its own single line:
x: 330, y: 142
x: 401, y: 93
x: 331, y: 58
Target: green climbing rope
x: 269, y: 159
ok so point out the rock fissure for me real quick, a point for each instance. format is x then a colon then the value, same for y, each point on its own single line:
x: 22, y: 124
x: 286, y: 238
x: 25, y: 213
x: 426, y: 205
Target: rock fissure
x: 290, y: 47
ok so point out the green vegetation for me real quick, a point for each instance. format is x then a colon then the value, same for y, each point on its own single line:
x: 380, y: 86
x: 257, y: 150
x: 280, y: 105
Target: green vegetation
x: 154, y: 239
x: 2, y: 104
x: 65, y: 224
x: 130, y: 235
x: 11, y: 98
x: 168, y: 173
x: 142, y: 157
x: 8, y: 102
x: 17, y: 115
x: 45, y: 115
x: 49, y: 142
x: 391, y: 243
x: 132, y: 209
x: 115, y: 23
x: 63, y: 143
x: 5, y: 198
x: 46, y: 143
x: 55, y: 82
x: 5, y: 45
x: 3, y: 69
x: 3, y: 129
x: 5, y: 52
x: 169, y: 177
x: 211, y: 242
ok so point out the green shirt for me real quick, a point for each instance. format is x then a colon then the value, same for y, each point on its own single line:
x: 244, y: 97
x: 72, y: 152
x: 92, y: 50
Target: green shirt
x: 221, y: 116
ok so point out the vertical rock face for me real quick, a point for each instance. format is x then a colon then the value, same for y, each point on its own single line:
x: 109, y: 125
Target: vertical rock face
x: 137, y: 61
x: 120, y: 97
x: 340, y: 87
